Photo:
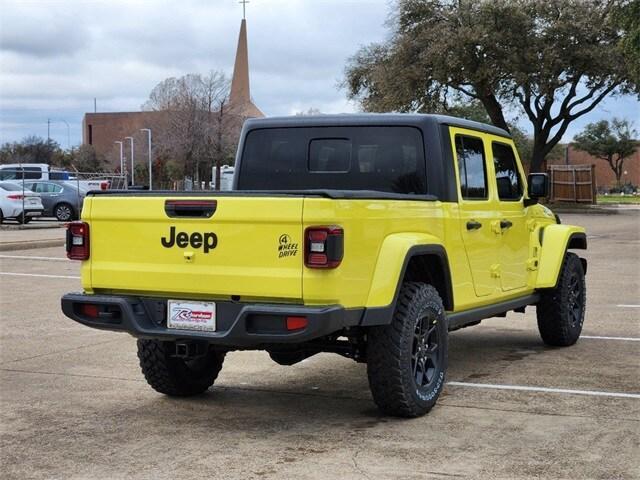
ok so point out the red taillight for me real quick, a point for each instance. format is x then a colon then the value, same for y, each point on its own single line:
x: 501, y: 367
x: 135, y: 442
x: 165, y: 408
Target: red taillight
x: 296, y: 323
x: 15, y: 197
x: 78, y: 241
x: 89, y: 310
x: 323, y: 247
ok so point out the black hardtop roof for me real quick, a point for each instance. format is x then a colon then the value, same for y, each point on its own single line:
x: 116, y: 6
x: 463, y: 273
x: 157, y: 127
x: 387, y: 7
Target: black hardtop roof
x: 372, y: 119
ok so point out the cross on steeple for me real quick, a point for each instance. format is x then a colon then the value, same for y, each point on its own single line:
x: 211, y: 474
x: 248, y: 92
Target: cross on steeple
x: 244, y: 8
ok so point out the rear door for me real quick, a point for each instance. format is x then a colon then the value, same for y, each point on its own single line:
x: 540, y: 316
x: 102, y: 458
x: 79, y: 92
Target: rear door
x: 49, y: 193
x: 477, y: 209
x: 514, y: 234
x: 152, y: 245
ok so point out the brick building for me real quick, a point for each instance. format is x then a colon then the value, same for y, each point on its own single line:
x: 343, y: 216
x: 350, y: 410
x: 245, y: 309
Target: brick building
x: 103, y: 129
x: 605, y: 178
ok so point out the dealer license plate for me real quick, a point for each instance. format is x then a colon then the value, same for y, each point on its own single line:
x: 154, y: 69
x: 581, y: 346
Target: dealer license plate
x: 191, y: 315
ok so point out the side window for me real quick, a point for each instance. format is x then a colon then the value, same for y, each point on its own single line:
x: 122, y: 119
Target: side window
x: 471, y: 165
x: 507, y: 176
x: 58, y: 175
x: 47, y: 188
x: 32, y: 173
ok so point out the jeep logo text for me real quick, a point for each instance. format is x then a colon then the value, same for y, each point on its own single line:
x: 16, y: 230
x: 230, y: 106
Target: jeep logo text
x: 208, y: 240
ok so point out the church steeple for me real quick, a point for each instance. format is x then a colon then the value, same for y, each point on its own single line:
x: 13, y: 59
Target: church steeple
x: 240, y: 96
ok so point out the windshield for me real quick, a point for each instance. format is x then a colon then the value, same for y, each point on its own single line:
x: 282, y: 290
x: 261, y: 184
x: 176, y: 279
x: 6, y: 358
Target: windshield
x: 385, y: 159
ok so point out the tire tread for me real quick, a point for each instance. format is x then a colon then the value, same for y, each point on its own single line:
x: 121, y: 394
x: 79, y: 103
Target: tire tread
x: 159, y: 369
x: 391, y: 389
x: 552, y: 309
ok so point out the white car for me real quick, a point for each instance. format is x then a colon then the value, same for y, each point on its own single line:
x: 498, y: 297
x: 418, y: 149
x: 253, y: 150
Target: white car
x: 21, y: 204
x: 23, y: 172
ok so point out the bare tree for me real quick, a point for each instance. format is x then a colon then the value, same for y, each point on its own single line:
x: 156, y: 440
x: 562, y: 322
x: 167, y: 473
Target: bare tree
x: 197, y: 126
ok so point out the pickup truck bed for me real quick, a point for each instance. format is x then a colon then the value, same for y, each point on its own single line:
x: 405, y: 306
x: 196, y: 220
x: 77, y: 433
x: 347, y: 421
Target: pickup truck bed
x: 368, y: 236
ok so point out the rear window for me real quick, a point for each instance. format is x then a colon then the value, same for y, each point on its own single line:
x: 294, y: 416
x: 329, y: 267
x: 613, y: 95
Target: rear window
x: 10, y: 187
x: 385, y: 159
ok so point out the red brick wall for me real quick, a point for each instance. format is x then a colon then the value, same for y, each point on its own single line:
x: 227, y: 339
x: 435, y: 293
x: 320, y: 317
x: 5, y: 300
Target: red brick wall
x: 605, y: 178
x: 103, y: 129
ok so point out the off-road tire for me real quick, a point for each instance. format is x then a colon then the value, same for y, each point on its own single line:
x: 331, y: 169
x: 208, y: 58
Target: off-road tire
x: 175, y: 376
x: 391, y: 353
x: 560, y: 310
x: 288, y: 358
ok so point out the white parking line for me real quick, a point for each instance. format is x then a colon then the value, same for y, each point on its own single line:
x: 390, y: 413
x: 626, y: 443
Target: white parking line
x: 593, y: 393
x: 37, y: 275
x: 625, y: 339
x: 24, y: 257
x: 628, y: 306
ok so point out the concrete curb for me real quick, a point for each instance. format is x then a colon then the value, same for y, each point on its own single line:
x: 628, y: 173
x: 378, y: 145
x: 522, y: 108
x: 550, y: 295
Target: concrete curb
x: 12, y: 246
x: 31, y: 226
x: 584, y: 211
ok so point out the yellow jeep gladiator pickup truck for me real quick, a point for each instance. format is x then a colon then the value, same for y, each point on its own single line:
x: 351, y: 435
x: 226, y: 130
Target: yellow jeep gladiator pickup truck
x: 370, y: 236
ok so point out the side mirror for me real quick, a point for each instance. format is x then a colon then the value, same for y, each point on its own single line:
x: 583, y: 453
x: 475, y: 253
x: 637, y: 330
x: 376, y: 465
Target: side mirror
x: 538, y: 186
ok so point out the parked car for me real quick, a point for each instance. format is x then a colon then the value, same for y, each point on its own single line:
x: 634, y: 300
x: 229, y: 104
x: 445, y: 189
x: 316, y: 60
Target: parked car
x: 19, y: 172
x: 18, y: 203
x: 60, y: 199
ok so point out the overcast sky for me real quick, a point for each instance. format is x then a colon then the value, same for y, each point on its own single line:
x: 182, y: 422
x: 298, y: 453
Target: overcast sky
x: 56, y: 56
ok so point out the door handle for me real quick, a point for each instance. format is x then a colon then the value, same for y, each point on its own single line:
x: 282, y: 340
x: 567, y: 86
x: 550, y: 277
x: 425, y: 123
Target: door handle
x: 504, y: 224
x: 473, y: 225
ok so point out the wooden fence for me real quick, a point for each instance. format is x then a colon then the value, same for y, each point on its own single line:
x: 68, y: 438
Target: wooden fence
x: 572, y: 183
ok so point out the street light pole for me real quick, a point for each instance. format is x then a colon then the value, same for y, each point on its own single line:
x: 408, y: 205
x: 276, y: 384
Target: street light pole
x: 121, y: 158
x: 148, y: 130
x: 132, y: 167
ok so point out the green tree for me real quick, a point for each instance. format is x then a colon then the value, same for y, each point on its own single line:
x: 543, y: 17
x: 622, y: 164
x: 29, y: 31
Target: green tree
x: 628, y: 18
x: 86, y: 159
x: 31, y: 149
x: 553, y: 60
x: 612, y: 142
x: 475, y: 111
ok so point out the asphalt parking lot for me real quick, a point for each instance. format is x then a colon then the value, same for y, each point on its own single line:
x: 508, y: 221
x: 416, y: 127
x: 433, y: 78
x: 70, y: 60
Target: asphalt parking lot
x: 74, y: 404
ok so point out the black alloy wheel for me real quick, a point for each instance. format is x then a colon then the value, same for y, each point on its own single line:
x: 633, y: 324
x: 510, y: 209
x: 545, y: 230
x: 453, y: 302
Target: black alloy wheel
x: 424, y: 354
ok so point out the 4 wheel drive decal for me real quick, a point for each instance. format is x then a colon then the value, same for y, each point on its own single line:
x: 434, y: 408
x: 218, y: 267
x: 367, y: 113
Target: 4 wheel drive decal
x: 207, y: 240
x: 285, y: 247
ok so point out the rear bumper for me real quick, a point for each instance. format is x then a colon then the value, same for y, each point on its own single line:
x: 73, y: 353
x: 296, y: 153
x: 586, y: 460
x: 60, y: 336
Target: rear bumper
x: 16, y: 210
x: 238, y: 325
